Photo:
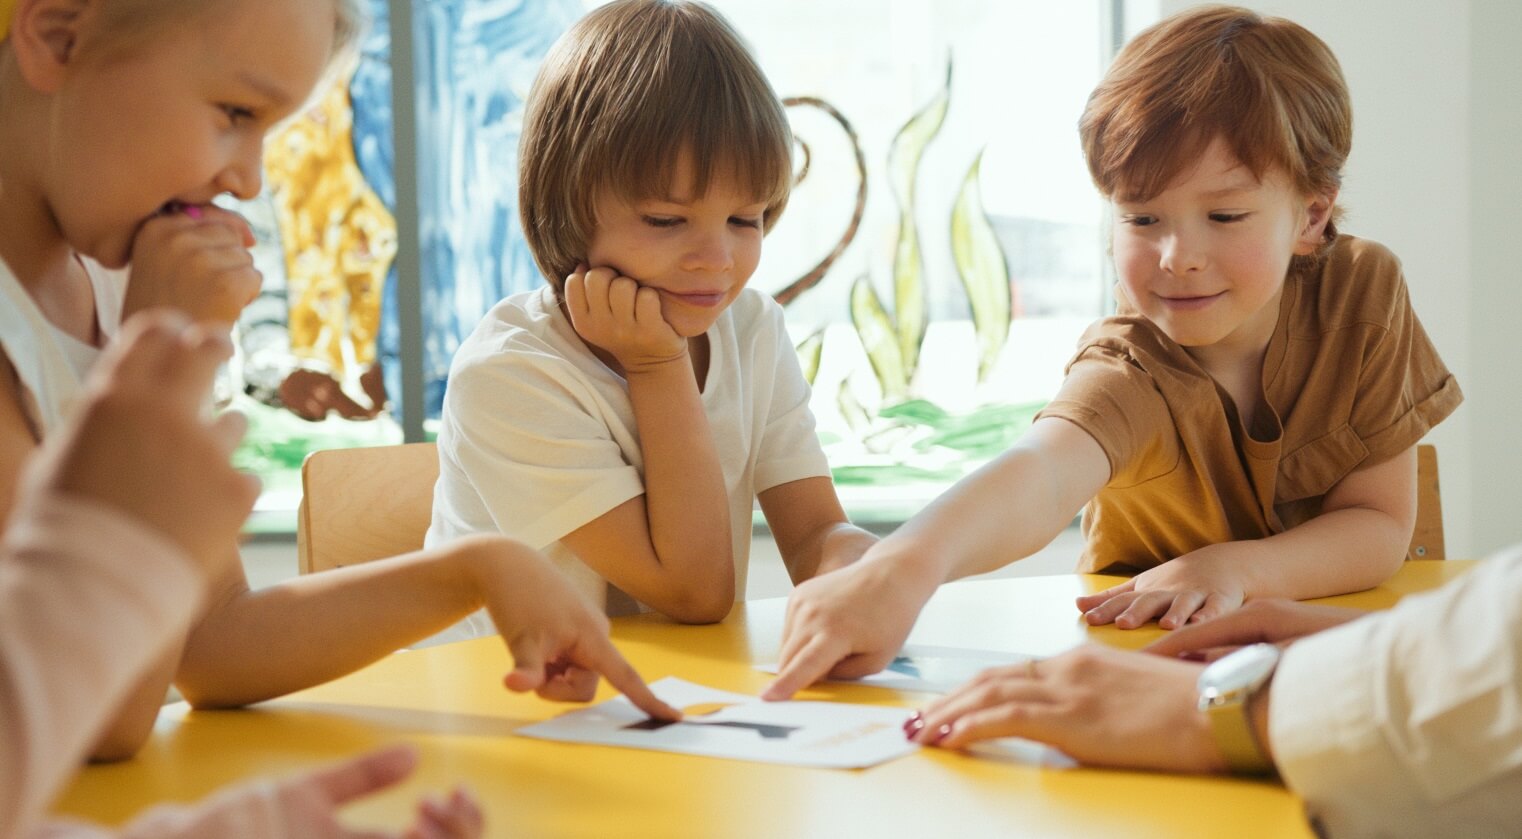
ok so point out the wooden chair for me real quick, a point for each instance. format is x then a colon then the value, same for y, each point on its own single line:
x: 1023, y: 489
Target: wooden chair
x: 364, y: 504
x: 1427, y: 539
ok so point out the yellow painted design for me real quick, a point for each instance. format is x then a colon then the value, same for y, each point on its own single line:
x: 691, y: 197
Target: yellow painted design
x: 338, y: 237
x: 6, y: 8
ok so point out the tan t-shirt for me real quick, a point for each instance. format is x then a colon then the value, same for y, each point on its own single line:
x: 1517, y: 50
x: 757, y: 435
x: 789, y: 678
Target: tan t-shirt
x: 1349, y: 379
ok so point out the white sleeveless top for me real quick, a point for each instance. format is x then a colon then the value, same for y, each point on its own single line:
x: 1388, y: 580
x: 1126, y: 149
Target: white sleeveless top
x: 50, y: 364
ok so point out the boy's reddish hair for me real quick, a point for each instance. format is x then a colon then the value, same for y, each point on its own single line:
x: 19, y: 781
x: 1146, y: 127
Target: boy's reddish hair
x: 1267, y: 86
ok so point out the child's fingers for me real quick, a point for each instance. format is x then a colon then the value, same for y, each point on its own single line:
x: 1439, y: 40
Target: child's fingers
x: 187, y: 372
x: 621, y: 295
x: 457, y: 817
x: 1215, y: 606
x: 1110, y: 608
x: 528, y: 664
x: 1089, y: 601
x: 467, y: 811
x: 227, y: 431
x: 575, y: 291
x: 598, y: 283
x: 572, y: 684
x: 857, y: 665
x: 606, y: 659
x: 647, y: 308
x: 138, y: 355
x: 1185, y: 605
x: 1145, y: 607
x: 363, y: 775
x: 807, y: 667
x: 234, y: 222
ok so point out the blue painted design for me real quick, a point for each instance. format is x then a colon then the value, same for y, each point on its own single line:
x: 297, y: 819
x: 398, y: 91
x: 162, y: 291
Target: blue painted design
x: 475, y: 62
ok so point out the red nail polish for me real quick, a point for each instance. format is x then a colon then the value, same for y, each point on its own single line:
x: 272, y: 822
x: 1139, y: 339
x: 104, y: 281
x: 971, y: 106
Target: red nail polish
x: 940, y: 734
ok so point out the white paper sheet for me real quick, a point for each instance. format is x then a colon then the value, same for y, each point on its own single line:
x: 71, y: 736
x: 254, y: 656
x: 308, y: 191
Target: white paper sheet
x: 733, y: 725
x: 931, y: 669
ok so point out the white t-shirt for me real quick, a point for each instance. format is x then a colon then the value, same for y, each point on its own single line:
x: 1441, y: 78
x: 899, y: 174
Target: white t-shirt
x: 538, y: 436
x: 50, y: 364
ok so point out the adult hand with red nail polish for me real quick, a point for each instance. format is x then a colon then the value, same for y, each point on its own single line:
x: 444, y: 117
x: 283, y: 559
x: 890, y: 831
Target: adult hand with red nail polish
x: 197, y: 264
x: 1099, y: 705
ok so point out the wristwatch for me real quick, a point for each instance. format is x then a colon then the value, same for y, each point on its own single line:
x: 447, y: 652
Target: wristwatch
x: 1224, y: 688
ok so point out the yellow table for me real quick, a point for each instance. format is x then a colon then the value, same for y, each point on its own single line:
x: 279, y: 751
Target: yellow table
x: 447, y: 700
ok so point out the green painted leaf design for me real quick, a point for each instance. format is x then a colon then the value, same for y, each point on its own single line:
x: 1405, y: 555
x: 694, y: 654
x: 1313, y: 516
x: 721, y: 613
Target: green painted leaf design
x: 856, y: 416
x: 909, y: 297
x: 983, y: 269
x: 810, y: 351
x: 877, y: 335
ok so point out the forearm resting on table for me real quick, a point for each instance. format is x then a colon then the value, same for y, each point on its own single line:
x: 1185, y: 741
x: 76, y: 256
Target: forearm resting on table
x: 129, y: 730
x: 1337, y: 552
x: 256, y: 645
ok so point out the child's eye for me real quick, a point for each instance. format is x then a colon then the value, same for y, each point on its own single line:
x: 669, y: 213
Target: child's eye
x: 1138, y: 220
x: 746, y: 221
x: 236, y: 114
x: 661, y: 221
x: 1227, y: 218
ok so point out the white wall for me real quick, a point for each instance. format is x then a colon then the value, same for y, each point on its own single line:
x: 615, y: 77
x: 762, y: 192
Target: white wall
x: 1436, y: 174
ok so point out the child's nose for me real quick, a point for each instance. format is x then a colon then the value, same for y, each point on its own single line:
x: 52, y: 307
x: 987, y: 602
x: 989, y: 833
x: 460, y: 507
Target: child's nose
x: 710, y: 252
x: 1180, y: 256
x: 243, y: 177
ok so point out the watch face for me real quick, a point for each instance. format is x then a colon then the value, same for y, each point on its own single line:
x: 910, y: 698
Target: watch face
x: 1241, y: 671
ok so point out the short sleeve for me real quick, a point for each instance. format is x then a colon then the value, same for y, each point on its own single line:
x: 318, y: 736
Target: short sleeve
x: 790, y: 449
x: 1109, y: 395
x: 533, y: 442
x: 1404, y: 388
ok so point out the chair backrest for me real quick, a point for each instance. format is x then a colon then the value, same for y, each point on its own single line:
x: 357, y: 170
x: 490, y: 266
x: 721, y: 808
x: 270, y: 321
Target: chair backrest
x: 1427, y: 539
x: 364, y: 504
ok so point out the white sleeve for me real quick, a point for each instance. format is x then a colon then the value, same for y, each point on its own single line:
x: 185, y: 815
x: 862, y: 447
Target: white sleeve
x: 1410, y: 722
x: 790, y: 449
x: 530, y: 440
x: 88, y: 599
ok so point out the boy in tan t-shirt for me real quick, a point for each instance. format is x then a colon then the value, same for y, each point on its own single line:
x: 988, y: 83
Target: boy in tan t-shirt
x: 1245, y: 426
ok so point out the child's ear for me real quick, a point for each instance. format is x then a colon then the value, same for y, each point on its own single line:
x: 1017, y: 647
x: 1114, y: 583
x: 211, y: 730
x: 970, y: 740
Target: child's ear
x: 1318, y: 212
x: 44, y: 37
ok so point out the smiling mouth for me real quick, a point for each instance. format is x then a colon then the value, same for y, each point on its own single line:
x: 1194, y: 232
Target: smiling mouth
x: 1191, y: 302
x: 705, y: 299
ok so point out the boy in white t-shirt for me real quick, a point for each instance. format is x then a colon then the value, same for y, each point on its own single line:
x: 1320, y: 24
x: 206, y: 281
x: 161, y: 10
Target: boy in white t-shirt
x: 623, y: 419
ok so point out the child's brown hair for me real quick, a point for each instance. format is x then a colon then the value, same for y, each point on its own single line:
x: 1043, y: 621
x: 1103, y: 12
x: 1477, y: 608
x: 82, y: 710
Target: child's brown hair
x: 1266, y: 86
x: 620, y: 97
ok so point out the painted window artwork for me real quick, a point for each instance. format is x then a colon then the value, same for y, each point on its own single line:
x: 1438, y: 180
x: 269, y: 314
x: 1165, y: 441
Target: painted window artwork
x: 938, y: 260
x: 324, y: 336
x: 945, y: 191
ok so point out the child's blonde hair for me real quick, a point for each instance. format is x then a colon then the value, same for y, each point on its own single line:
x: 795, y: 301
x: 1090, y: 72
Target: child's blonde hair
x: 127, y: 20
x: 1266, y: 86
x: 620, y: 97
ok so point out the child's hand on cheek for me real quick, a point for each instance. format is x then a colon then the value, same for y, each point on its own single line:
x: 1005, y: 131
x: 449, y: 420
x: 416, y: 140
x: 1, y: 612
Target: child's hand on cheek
x: 195, y: 261
x: 614, y: 313
x: 1195, y: 587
